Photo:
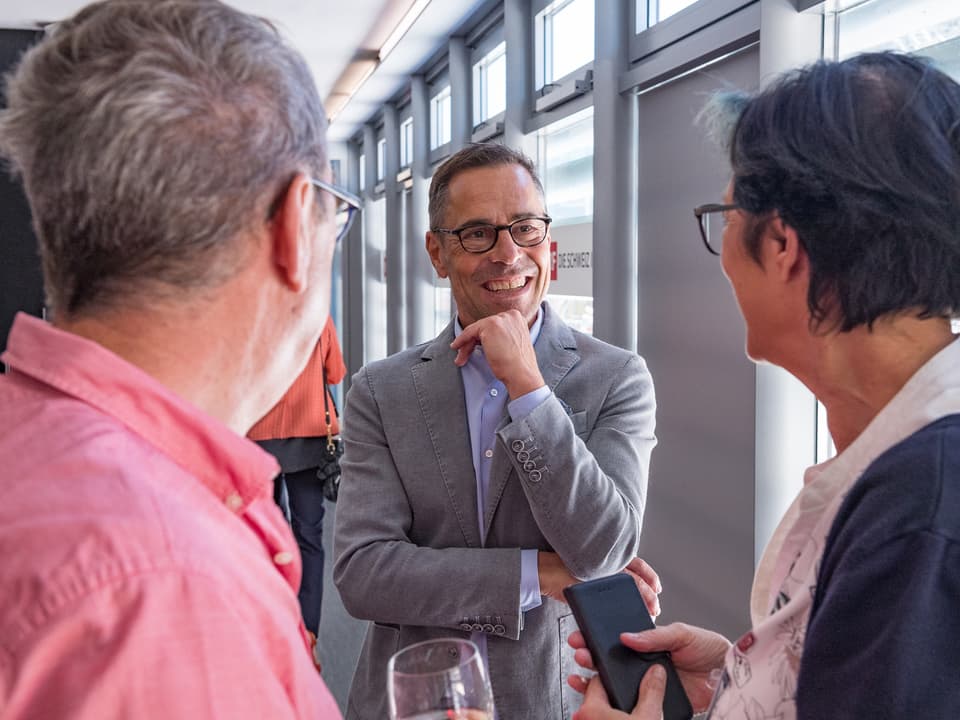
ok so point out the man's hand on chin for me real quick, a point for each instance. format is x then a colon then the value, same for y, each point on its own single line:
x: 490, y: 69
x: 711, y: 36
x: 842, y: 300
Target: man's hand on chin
x: 505, y: 338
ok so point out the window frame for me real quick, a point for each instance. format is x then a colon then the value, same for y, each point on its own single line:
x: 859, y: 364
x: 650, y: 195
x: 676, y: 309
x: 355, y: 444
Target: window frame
x: 480, y: 83
x: 543, y: 13
x: 693, y: 18
x: 406, y: 142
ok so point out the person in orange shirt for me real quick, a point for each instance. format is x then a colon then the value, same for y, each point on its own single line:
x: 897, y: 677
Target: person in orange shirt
x: 295, y: 432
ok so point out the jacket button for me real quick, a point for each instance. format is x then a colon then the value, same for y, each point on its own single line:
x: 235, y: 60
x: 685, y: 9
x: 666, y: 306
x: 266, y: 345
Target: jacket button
x: 499, y: 629
x: 465, y: 626
x: 518, y: 445
x: 529, y: 465
x: 477, y: 627
x: 523, y: 456
x: 488, y: 628
x: 535, y: 476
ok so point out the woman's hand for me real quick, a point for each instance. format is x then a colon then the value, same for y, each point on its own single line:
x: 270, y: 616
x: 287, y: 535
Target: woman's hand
x: 596, y: 705
x: 695, y: 652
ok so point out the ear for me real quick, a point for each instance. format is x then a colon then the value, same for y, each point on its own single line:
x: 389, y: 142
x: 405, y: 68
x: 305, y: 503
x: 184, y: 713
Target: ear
x: 782, y: 252
x: 292, y: 229
x: 435, y: 250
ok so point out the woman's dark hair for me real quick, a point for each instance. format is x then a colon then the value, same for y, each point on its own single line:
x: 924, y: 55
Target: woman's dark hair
x: 862, y: 159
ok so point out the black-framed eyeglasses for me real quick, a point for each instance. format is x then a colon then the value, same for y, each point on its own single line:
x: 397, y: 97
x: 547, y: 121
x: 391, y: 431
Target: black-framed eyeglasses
x: 702, y: 212
x: 481, y: 237
x: 347, y: 205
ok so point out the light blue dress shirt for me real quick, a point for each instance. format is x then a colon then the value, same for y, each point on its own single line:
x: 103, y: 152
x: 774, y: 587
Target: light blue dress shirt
x: 485, y: 398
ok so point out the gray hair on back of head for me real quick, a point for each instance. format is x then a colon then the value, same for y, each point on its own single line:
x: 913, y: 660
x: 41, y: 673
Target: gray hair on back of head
x: 151, y: 137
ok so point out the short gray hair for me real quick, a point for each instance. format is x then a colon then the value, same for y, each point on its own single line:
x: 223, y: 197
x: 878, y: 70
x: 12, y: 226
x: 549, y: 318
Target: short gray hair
x: 151, y: 136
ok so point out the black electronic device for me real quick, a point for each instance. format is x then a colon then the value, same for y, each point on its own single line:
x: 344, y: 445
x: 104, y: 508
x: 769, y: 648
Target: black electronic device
x: 604, y: 608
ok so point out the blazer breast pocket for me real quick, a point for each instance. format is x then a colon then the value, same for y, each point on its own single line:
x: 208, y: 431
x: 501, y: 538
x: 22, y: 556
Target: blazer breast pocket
x: 579, y: 420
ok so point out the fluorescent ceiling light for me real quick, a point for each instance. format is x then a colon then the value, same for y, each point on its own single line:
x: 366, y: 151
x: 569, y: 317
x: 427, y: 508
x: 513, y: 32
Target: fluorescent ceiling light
x: 338, y: 101
x: 401, y: 29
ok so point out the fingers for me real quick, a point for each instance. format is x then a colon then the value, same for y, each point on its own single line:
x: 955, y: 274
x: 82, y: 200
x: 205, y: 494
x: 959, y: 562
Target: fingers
x: 642, y: 569
x: 669, y: 638
x: 576, y: 640
x: 650, y: 701
x: 583, y: 658
x: 596, y: 706
x: 578, y: 683
x: 464, y: 344
x: 650, y: 597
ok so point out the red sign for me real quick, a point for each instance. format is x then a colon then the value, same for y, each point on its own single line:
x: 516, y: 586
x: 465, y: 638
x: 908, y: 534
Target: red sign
x: 553, y: 260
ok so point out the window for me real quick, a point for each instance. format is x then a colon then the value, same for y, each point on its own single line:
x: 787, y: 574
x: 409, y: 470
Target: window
x: 406, y: 142
x: 650, y: 12
x: 565, y: 159
x: 565, y: 154
x: 443, y: 304
x: 565, y: 35
x: 440, y: 118
x: 490, y: 85
x: 927, y: 27
x: 363, y: 173
x: 381, y: 158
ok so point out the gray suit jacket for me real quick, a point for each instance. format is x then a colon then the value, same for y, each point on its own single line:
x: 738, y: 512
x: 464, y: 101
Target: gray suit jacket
x: 570, y: 478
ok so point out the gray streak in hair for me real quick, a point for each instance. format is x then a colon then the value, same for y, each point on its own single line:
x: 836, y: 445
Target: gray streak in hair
x: 151, y: 138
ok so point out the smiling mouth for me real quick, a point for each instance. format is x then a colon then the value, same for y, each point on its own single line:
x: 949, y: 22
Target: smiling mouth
x: 505, y: 284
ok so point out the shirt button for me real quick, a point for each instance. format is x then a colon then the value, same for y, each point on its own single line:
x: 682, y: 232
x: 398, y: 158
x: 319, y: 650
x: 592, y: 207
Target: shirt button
x: 493, y: 392
x: 234, y: 501
x: 283, y: 558
x: 488, y: 453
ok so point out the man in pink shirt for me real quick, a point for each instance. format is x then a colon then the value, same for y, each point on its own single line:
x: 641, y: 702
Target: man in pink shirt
x: 174, y: 157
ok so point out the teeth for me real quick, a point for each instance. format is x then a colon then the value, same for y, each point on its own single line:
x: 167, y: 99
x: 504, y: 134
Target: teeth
x: 506, y: 284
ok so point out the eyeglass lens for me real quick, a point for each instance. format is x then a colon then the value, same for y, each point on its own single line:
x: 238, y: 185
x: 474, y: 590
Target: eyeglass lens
x: 525, y: 233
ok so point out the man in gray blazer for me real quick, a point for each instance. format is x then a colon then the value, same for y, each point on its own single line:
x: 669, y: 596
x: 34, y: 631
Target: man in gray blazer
x: 493, y: 466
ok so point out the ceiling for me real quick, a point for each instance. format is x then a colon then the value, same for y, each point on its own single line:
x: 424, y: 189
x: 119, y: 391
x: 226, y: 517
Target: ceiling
x: 329, y: 33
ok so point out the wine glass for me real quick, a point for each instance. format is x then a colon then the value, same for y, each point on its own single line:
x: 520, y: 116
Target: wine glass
x: 439, y: 680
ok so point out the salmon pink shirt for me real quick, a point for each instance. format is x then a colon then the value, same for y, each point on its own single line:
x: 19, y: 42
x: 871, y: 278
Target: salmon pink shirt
x: 145, y: 571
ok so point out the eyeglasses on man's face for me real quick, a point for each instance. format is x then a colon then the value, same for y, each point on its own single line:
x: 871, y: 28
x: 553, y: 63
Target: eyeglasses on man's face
x: 347, y: 205
x: 703, y: 213
x: 481, y: 237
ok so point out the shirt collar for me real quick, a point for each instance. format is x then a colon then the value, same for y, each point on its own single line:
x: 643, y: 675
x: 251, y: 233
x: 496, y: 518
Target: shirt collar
x: 228, y: 464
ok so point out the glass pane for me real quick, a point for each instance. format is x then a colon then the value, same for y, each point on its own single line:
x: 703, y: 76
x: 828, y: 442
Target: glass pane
x: 406, y: 142
x: 496, y: 85
x: 440, y: 119
x: 381, y: 158
x: 443, y: 305
x: 375, y: 286
x: 565, y: 158
x: 566, y: 161
x: 666, y: 8
x: 928, y: 27
x: 363, y: 173
x: 571, y: 41
x: 445, y: 120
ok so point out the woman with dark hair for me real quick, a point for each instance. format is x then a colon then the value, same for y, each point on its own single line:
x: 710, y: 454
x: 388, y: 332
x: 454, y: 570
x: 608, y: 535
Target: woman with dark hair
x: 842, y: 245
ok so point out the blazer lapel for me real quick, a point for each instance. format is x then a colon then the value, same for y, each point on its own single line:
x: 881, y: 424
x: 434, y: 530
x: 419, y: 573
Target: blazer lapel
x: 440, y: 392
x: 556, y: 351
